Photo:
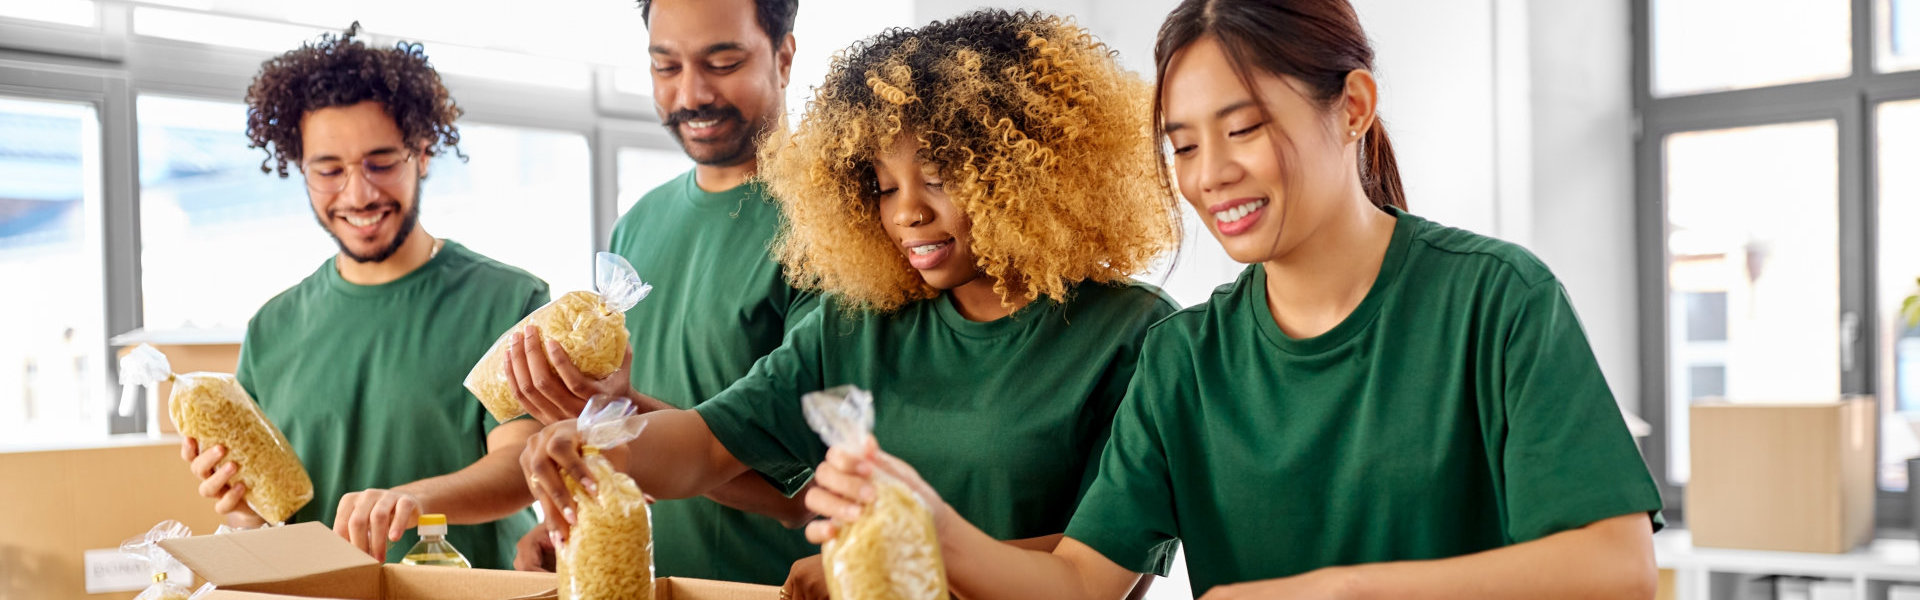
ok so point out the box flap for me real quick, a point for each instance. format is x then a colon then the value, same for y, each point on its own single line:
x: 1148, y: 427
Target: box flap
x: 414, y: 582
x: 286, y: 560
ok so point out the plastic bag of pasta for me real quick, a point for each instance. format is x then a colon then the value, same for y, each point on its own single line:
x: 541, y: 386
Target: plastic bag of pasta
x: 891, y: 552
x: 214, y: 409
x: 167, y: 584
x: 609, y: 552
x: 590, y: 326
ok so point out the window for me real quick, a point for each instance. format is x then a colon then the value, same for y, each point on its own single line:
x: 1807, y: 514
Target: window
x: 1754, y: 275
x: 524, y: 198
x: 642, y: 169
x: 1715, y: 45
x: 218, y: 237
x: 1777, y: 214
x: 1899, y: 254
x: 78, y: 13
x: 52, y: 343
x: 1897, y: 34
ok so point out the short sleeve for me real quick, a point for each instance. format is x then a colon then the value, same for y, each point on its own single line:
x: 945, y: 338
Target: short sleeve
x: 1127, y: 514
x: 1568, y: 459
x: 758, y: 418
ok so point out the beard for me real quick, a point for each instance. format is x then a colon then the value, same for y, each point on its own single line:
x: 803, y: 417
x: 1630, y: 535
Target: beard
x: 726, y: 152
x: 407, y: 222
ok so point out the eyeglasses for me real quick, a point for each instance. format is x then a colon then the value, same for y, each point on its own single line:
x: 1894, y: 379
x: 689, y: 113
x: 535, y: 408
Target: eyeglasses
x: 382, y: 169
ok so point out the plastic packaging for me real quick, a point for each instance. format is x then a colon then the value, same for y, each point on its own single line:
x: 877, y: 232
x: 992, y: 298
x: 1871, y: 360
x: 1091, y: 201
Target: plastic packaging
x: 609, y: 552
x: 160, y: 563
x: 432, y: 549
x: 214, y: 409
x: 591, y: 327
x: 892, y: 551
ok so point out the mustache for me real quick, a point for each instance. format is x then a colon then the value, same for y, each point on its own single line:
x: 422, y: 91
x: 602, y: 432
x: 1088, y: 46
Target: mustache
x: 704, y: 113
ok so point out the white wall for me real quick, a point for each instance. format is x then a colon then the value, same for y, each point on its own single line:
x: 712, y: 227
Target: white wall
x: 1583, y: 217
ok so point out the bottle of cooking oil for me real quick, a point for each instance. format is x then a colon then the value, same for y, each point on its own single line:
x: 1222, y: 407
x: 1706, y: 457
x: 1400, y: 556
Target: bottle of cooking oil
x: 433, y: 549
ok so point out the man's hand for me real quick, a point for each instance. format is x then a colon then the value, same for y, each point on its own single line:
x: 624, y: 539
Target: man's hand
x: 535, y: 550
x: 216, y: 482
x: 549, y: 386
x: 372, y: 519
x: 807, y: 580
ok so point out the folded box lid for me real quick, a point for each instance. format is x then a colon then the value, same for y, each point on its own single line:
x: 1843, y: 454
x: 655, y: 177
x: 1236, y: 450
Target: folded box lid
x: 304, y: 559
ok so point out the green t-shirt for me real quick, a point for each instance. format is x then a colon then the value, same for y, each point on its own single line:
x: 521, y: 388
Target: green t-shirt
x: 1003, y: 418
x: 1457, y: 409
x: 719, y: 302
x: 365, y: 381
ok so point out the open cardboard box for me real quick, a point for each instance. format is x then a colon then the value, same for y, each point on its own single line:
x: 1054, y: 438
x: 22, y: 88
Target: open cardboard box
x: 307, y: 561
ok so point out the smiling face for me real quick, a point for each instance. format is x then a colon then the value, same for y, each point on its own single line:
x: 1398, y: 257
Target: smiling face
x: 921, y: 219
x: 1247, y: 171
x: 718, y: 80
x: 360, y: 149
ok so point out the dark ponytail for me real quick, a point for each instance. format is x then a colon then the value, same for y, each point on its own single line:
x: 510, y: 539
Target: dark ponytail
x: 1379, y: 174
x: 1317, y: 42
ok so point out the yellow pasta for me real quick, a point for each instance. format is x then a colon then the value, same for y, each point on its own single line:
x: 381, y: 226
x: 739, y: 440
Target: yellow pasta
x: 890, y: 553
x: 609, y: 554
x: 592, y: 333
x: 214, y: 409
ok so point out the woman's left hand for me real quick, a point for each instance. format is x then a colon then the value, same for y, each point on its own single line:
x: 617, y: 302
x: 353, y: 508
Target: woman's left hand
x: 1325, y: 584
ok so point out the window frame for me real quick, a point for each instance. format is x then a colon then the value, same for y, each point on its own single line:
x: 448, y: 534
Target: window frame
x: 1852, y: 103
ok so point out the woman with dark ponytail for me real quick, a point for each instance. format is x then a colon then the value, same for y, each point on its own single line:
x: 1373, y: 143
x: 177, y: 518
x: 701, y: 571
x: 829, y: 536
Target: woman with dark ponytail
x: 1380, y: 406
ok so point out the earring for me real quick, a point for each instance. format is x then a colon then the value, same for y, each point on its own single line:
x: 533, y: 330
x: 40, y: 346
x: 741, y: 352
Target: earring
x: 1353, y: 134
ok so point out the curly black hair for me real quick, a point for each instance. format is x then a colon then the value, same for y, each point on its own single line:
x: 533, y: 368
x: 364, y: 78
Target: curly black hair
x: 339, y: 70
x: 776, y: 16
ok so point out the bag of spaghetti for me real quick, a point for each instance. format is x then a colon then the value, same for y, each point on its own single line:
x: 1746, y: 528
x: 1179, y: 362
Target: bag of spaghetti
x: 214, y: 409
x: 891, y: 552
x: 609, y: 551
x: 170, y: 578
x: 590, y: 326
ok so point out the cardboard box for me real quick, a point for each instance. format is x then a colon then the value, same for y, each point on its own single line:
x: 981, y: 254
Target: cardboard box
x: 308, y: 561
x: 1788, y: 477
x: 58, y: 503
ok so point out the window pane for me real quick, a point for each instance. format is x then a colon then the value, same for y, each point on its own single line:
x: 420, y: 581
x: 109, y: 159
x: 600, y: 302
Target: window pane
x: 78, y: 13
x: 1897, y: 33
x: 52, y: 343
x: 1757, y: 255
x: 1714, y: 45
x: 1899, y: 254
x: 642, y: 169
x: 217, y: 236
x: 219, y: 30
x: 524, y: 198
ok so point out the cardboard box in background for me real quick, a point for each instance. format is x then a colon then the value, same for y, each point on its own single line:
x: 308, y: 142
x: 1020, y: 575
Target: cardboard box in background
x: 308, y: 561
x: 56, y: 504
x: 1788, y: 477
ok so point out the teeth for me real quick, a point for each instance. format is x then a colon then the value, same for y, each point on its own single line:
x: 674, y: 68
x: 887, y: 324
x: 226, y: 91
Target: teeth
x: 702, y: 124
x: 927, y: 249
x: 1239, y: 212
x: 364, y: 221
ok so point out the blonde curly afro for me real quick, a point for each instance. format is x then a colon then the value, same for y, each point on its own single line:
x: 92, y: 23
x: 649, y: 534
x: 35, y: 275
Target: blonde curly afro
x: 1038, y: 134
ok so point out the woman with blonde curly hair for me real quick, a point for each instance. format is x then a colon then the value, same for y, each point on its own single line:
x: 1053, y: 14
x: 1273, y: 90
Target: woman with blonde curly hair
x: 971, y: 197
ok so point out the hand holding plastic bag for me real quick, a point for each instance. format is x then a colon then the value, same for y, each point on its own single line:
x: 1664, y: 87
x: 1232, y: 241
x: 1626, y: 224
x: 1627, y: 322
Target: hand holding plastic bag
x: 214, y: 409
x: 590, y: 326
x: 892, y: 551
x: 161, y: 564
x: 609, y: 552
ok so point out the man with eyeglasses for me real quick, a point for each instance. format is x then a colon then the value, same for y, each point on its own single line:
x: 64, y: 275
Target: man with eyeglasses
x: 361, y: 363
